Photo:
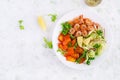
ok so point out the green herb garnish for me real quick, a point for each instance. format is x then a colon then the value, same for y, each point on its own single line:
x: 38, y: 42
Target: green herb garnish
x: 53, y: 17
x: 48, y: 44
x: 99, y: 32
x: 75, y: 46
x: 88, y: 62
x: 69, y: 44
x: 96, y: 46
x: 71, y: 36
x: 89, y: 59
x: 21, y: 25
x: 65, y: 28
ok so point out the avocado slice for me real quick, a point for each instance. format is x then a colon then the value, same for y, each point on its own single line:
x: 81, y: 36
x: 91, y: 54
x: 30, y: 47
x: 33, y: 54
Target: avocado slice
x: 80, y: 41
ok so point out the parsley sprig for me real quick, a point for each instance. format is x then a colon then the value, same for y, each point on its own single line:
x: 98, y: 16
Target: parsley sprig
x: 21, y: 25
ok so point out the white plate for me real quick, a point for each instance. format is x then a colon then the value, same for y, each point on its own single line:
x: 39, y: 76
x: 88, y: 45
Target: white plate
x: 69, y: 16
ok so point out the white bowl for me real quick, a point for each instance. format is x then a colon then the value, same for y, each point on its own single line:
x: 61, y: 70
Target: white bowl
x: 69, y: 16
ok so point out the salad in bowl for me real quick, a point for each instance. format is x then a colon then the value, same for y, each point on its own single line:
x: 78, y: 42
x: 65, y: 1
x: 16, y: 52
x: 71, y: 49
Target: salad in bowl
x: 79, y: 40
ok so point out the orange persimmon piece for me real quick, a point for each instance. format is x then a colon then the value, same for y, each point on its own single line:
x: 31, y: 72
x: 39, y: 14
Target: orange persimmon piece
x: 63, y: 47
x: 70, y: 58
x: 71, y: 50
x: 79, y: 50
x: 60, y: 45
x: 75, y: 55
x: 82, y: 60
x: 73, y: 42
x: 61, y: 37
x: 67, y: 39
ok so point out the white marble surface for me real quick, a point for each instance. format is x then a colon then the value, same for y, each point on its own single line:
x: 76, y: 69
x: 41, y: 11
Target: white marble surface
x: 22, y: 53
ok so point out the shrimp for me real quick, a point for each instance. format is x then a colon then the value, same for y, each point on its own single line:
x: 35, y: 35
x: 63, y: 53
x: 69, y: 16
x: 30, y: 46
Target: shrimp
x: 76, y: 27
x: 76, y: 20
x: 83, y: 27
x: 78, y: 33
x: 81, y: 20
x: 81, y: 16
x: 89, y: 28
x: 72, y: 31
x: 88, y: 22
x: 71, y: 23
x: 84, y: 33
x: 96, y: 25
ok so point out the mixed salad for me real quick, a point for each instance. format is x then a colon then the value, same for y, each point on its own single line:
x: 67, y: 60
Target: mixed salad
x: 81, y: 40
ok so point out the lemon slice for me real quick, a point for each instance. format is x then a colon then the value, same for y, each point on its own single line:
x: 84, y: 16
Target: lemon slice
x: 42, y: 23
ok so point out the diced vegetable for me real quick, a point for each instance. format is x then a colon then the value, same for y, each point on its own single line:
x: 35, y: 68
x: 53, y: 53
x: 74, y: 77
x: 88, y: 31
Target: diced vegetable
x: 73, y: 42
x: 67, y: 39
x: 63, y: 47
x: 69, y: 58
x: 61, y: 37
x: 79, y: 50
x: 75, y: 55
x: 82, y: 60
x: 71, y: 50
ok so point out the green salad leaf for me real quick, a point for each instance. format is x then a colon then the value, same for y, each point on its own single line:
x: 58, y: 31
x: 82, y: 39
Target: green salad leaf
x: 99, y: 32
x: 96, y: 45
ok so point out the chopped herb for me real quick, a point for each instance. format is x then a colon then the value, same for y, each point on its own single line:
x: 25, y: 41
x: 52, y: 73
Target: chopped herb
x: 88, y: 62
x: 61, y: 51
x: 48, y: 44
x: 96, y: 46
x: 99, y: 32
x: 21, y: 27
x: 83, y: 56
x: 69, y: 44
x: 20, y: 21
x: 65, y: 28
x: 71, y: 36
x: 91, y: 58
x: 53, y: 17
x: 75, y: 46
x: 20, y: 24
x: 96, y: 53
